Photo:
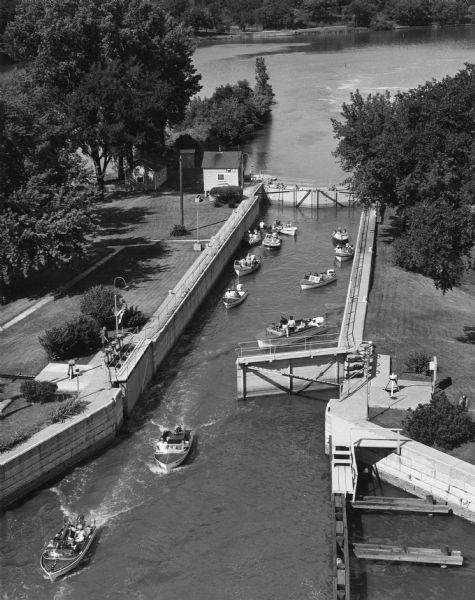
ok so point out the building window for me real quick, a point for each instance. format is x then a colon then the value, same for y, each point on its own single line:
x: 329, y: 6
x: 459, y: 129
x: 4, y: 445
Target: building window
x: 220, y: 177
x: 140, y: 179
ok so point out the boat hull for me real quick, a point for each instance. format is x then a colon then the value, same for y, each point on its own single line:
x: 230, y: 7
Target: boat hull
x: 305, y: 284
x: 48, y: 564
x: 343, y: 257
x: 253, y: 241
x: 293, y: 339
x: 242, y: 271
x: 288, y: 231
x: 169, y: 460
x: 232, y: 302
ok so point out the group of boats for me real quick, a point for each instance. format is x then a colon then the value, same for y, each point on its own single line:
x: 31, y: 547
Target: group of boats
x: 73, y: 540
x: 70, y: 545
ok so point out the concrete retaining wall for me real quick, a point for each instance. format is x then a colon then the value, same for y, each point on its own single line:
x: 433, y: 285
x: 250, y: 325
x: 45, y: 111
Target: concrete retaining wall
x: 58, y: 447
x: 175, y: 313
x: 422, y: 470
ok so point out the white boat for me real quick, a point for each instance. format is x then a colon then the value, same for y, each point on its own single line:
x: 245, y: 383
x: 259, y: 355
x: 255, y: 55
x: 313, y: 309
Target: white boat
x: 314, y: 280
x: 272, y: 240
x: 344, y: 253
x: 235, y: 297
x: 173, y: 447
x: 247, y: 265
x: 253, y: 238
x: 289, y: 229
x: 68, y: 548
x: 341, y: 236
x: 282, y: 335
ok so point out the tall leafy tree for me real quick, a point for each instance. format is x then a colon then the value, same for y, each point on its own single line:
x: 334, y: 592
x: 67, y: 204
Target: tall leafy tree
x: 416, y: 152
x: 263, y: 93
x: 120, y: 71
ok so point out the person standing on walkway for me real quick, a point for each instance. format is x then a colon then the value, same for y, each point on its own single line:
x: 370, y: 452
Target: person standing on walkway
x: 71, y: 364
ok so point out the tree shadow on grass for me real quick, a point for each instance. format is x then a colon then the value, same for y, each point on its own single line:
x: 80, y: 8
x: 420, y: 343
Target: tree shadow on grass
x: 391, y: 231
x: 135, y: 264
x: 468, y: 336
x: 115, y: 220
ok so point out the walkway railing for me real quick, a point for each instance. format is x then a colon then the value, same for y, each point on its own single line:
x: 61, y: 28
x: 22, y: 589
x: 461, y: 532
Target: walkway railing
x: 347, y: 336
x: 324, y: 340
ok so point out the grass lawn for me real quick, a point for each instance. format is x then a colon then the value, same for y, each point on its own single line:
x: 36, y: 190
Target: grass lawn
x: 406, y: 314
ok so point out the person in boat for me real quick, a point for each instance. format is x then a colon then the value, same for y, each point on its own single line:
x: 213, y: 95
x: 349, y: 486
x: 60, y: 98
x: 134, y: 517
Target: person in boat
x: 256, y: 232
x: 291, y: 325
x: 242, y: 262
x: 178, y: 430
x: 78, y: 537
x: 262, y: 224
x: 289, y: 224
x: 284, y: 325
x: 253, y: 260
x: 248, y: 261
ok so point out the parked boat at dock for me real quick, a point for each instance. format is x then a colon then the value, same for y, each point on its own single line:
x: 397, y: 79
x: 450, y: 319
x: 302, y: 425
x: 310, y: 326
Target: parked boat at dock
x: 292, y: 331
x: 341, y: 236
x: 247, y: 265
x: 272, y: 241
x: 314, y: 280
x: 173, y: 447
x: 344, y: 253
x: 68, y: 548
x: 235, y: 297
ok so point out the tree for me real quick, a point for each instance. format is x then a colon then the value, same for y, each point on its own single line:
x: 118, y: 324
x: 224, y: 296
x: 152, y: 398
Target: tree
x: 43, y: 224
x: 263, y: 93
x: 415, y: 152
x: 440, y: 423
x: 119, y: 71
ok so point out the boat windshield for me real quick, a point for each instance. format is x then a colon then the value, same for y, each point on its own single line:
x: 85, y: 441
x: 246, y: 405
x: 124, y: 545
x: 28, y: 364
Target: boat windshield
x: 175, y: 440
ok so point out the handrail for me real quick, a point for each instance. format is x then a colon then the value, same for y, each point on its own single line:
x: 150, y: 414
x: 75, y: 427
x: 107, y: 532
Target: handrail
x: 251, y: 348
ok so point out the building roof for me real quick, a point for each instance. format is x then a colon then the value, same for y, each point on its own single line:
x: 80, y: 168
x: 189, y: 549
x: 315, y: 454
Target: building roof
x: 222, y: 160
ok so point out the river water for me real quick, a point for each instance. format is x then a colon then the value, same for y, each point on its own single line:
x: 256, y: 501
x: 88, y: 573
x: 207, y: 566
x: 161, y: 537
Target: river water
x: 248, y: 516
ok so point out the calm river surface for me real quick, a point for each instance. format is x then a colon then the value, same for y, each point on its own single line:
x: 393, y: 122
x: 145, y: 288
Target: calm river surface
x: 248, y: 517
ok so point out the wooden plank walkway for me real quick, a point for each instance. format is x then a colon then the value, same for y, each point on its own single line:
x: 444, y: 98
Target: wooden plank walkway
x: 400, y: 505
x: 397, y: 553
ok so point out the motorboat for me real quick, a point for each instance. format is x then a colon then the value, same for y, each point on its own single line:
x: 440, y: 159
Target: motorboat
x: 68, y: 547
x: 289, y: 229
x: 253, y: 237
x: 344, y: 253
x: 341, y: 236
x: 292, y: 331
x: 247, y: 265
x: 315, y: 280
x: 272, y: 240
x: 173, y: 447
x: 235, y: 297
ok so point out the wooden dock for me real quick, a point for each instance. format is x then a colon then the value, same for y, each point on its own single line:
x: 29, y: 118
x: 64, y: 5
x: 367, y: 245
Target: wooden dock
x: 396, y: 553
x: 401, y: 505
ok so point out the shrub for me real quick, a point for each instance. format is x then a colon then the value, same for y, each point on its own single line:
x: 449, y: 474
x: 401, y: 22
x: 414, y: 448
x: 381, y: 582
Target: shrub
x: 227, y: 194
x: 179, y: 230
x: 38, y: 391
x: 98, y: 302
x: 133, y: 317
x: 69, y: 409
x: 418, y: 362
x: 440, y: 423
x: 76, y: 338
x: 13, y: 440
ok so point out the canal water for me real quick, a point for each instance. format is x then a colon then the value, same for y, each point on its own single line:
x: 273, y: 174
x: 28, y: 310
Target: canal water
x: 248, y: 516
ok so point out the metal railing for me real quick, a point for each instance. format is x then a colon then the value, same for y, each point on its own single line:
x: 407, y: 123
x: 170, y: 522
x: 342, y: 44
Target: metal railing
x: 324, y: 340
x: 353, y: 295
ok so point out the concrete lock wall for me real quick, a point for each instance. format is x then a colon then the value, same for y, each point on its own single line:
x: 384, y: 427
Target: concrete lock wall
x: 59, y: 446
x: 422, y: 470
x: 175, y: 313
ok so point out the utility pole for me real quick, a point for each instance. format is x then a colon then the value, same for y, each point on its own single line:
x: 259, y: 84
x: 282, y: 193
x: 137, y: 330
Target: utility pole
x: 181, y: 192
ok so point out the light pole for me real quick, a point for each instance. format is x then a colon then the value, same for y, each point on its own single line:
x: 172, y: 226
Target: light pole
x: 115, y: 304
x: 182, y: 217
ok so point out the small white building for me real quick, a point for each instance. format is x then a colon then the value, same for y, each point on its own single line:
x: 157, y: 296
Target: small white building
x: 147, y: 174
x: 222, y: 168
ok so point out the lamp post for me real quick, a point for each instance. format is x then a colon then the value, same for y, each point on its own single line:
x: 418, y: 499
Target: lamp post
x: 115, y: 304
x: 182, y: 217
